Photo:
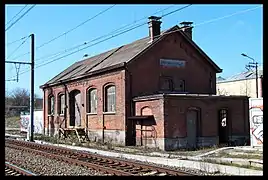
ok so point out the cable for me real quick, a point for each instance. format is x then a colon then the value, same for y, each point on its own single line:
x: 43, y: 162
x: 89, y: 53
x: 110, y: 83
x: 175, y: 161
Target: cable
x: 75, y: 27
x: 108, y: 33
x: 148, y: 37
x: 145, y: 17
x: 17, y: 48
x: 94, y: 44
x: 113, y: 31
x: 16, y: 15
x: 16, y: 40
x: 20, y: 17
x: 176, y: 10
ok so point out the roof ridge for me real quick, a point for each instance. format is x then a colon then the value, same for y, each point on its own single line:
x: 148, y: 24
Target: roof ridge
x: 105, y: 58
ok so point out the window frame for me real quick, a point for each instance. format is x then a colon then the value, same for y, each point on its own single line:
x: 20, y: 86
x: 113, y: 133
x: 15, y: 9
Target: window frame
x: 183, y: 84
x: 89, y: 100
x: 60, y: 95
x: 51, y: 110
x: 170, y: 81
x: 106, y: 109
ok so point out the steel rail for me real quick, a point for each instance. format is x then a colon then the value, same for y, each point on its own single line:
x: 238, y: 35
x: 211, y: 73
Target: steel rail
x: 134, y: 168
x: 14, y: 170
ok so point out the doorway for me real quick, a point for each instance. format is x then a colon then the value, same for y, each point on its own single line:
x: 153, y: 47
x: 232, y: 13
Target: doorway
x: 223, y: 126
x: 192, y: 116
x: 75, y: 108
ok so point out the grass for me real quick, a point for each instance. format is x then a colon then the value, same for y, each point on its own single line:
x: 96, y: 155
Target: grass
x: 242, y: 156
x: 12, y: 122
x: 233, y: 164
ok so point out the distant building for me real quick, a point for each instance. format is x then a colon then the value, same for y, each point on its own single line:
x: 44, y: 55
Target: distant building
x: 241, y: 84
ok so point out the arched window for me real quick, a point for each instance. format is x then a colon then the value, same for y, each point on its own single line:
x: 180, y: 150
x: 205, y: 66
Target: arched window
x: 110, y: 99
x: 92, y: 101
x: 61, y: 104
x: 51, y: 105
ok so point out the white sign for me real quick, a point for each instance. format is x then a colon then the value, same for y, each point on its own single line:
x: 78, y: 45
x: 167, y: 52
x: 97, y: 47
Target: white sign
x: 172, y: 63
x: 38, y: 122
x: 256, y: 121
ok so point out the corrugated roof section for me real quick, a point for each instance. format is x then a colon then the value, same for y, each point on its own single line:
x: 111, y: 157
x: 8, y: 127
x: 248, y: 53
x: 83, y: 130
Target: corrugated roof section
x: 243, y: 76
x: 112, y: 57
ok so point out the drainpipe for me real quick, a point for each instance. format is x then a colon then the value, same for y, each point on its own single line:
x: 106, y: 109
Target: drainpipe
x: 130, y: 92
x: 65, y: 105
x: 103, y: 128
x: 44, y: 110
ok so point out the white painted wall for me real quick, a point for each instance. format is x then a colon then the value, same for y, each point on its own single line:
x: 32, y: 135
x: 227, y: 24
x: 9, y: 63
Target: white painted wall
x: 242, y: 87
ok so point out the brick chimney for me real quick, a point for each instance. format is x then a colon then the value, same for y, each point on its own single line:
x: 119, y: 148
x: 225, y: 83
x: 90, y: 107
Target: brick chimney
x: 187, y: 28
x: 154, y: 27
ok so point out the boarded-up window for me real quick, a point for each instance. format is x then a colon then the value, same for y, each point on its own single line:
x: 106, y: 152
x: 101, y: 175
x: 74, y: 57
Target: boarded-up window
x: 179, y: 85
x: 61, y: 104
x: 51, y: 105
x: 110, y: 99
x: 166, y: 84
x: 92, y: 101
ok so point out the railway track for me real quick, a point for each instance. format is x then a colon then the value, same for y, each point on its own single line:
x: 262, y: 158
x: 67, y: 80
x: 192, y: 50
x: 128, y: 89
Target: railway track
x: 13, y: 170
x: 112, y: 166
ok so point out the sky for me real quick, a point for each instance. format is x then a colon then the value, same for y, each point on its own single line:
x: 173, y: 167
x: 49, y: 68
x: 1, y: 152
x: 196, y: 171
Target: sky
x: 222, y: 31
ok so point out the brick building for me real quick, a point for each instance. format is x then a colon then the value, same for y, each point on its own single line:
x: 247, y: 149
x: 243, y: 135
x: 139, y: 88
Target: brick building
x: 158, y: 91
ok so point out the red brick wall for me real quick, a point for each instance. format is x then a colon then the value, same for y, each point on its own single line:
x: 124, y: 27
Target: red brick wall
x: 156, y: 107
x: 176, y: 108
x: 112, y: 121
x: 146, y: 69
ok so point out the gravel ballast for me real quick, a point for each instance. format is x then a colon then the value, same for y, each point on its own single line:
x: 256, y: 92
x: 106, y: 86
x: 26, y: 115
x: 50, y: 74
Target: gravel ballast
x: 44, y: 166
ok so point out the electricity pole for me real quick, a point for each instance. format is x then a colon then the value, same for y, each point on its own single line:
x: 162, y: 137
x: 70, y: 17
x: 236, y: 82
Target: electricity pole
x: 32, y: 86
x: 32, y: 90
x: 253, y: 65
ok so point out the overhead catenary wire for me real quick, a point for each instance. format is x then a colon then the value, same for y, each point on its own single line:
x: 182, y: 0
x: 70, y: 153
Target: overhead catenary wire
x: 79, y: 25
x: 70, y: 30
x: 112, y: 32
x: 116, y: 30
x: 9, y: 43
x: 17, y: 48
x: 165, y: 33
x: 95, y: 43
x: 16, y: 15
x: 20, y: 17
x: 85, y: 43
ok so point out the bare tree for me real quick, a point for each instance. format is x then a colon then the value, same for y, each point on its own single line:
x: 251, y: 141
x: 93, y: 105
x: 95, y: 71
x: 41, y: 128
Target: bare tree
x: 20, y: 97
x: 19, y: 100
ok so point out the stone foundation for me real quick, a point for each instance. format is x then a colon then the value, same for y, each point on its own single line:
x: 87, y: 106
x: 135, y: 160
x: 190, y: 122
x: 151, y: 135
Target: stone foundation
x: 182, y: 143
x: 239, y: 140
x: 110, y: 136
x: 151, y: 142
x: 207, y: 141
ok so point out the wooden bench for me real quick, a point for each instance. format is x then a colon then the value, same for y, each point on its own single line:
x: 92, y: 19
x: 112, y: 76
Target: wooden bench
x: 79, y: 132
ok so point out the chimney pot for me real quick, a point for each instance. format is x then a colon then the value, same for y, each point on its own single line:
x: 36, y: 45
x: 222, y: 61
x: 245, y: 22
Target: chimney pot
x: 154, y: 27
x: 187, y: 27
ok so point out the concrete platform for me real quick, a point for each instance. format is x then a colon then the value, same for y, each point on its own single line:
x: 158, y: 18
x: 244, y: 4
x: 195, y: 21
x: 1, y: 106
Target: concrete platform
x: 175, y: 162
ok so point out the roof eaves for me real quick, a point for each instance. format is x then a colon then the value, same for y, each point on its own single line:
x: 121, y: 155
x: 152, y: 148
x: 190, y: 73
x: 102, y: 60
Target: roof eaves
x: 85, y: 75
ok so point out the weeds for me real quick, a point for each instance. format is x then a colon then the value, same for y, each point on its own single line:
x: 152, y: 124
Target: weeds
x: 12, y: 122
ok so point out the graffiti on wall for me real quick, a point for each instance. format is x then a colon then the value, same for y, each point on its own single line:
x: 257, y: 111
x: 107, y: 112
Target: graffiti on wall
x: 256, y: 121
x: 38, y: 122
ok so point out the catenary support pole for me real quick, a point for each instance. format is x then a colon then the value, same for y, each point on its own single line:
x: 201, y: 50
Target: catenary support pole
x: 32, y: 91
